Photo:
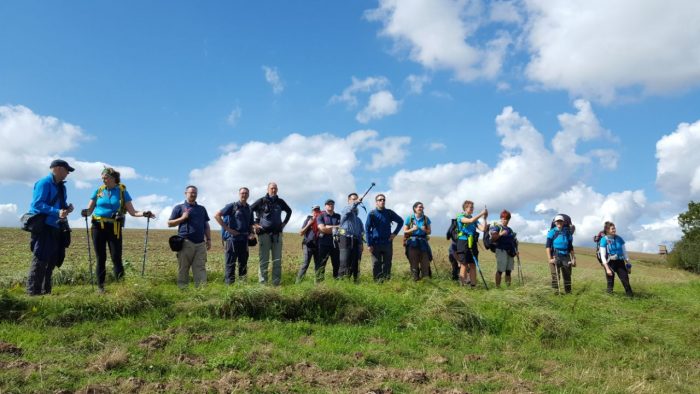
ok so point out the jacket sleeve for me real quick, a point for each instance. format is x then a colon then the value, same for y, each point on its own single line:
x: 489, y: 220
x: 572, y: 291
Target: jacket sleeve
x: 399, y: 222
x: 286, y: 209
x: 255, y: 210
x: 368, y: 229
x: 40, y: 199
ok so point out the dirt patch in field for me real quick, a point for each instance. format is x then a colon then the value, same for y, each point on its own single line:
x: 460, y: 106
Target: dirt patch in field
x: 154, y: 342
x: 110, y: 359
x: 8, y: 348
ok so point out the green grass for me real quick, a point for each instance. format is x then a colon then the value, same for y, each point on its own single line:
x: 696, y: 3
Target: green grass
x: 146, y: 335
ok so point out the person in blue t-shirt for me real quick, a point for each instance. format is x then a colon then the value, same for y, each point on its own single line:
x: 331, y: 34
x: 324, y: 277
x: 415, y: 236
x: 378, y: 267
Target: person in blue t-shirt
x: 108, y: 206
x: 237, y: 230
x: 560, y: 253
x: 48, y: 243
x: 416, y: 231
x: 467, y: 250
x: 615, y: 259
x: 192, y: 223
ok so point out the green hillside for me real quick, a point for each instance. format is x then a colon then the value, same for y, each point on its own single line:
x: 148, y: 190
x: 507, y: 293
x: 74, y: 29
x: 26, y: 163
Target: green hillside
x: 145, y: 335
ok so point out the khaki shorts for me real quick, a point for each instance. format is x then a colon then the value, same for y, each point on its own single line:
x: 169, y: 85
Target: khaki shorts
x: 503, y: 261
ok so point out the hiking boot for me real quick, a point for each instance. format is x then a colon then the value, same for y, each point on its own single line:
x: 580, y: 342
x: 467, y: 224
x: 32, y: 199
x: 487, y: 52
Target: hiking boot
x: 101, y: 290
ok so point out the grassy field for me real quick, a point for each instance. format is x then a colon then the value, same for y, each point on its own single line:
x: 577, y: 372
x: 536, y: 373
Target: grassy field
x: 145, y: 335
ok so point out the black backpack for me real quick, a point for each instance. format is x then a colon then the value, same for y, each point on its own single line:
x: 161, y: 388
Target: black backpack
x: 453, y: 231
x: 488, y: 244
x: 567, y: 223
x: 596, y: 239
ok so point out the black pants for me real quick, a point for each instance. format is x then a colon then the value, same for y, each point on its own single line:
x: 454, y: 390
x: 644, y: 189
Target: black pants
x: 103, y: 238
x: 618, y: 268
x: 326, y: 252
x: 236, y: 251
x: 381, y: 261
x: 350, y: 254
x: 562, y: 263
x: 454, y: 264
x: 47, y: 252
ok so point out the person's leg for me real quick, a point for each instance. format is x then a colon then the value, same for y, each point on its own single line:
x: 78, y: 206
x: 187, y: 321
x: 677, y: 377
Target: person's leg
x: 324, y: 253
x: 566, y: 272
x: 99, y: 241
x: 621, y: 271
x: 610, y: 279
x: 265, y: 247
x: 455, y: 266
x: 554, y: 271
x: 41, y: 253
x: 356, y: 253
x: 199, y: 261
x: 376, y: 258
x: 115, y: 250
x: 387, y: 260
x: 345, y: 251
x: 229, y: 262
x: 510, y: 264
x: 277, y: 259
x: 501, y: 265
x: 424, y: 264
x: 240, y: 248
x: 306, y: 260
x: 414, y: 261
x: 184, y: 259
x: 335, y: 261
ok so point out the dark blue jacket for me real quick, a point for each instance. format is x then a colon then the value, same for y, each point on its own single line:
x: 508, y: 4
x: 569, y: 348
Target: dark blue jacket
x: 378, y: 226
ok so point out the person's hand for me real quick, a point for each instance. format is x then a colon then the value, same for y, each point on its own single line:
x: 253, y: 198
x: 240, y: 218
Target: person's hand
x: 84, y: 213
x: 63, y: 213
x: 251, y: 236
x: 370, y: 249
x: 149, y: 215
x: 208, y: 243
x: 573, y: 262
x: 232, y: 231
x: 256, y: 228
x: 485, y: 212
x: 608, y: 272
x: 551, y: 261
x: 185, y: 214
x: 414, y: 228
x: 70, y: 208
x: 391, y: 237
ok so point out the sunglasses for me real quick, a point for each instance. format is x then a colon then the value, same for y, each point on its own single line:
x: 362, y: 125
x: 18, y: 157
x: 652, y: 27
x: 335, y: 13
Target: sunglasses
x: 381, y: 199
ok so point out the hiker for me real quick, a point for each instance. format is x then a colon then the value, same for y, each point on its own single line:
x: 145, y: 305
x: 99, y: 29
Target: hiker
x: 108, y: 206
x: 560, y: 252
x: 467, y: 239
x: 380, y: 237
x: 615, y: 258
x: 451, y: 236
x: 49, y: 237
x: 192, y: 223
x: 328, y: 222
x: 416, y: 231
x: 269, y: 225
x: 309, y: 241
x: 503, y: 239
x: 236, y: 221
x: 350, y: 242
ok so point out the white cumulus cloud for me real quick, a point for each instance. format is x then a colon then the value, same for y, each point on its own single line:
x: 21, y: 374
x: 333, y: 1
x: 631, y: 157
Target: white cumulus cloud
x: 9, y: 215
x: 380, y: 104
x: 599, y: 49
x: 678, y: 166
x: 440, y: 34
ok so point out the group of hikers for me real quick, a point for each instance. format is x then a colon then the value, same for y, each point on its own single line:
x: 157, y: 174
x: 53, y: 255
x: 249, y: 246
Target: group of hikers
x: 326, y: 235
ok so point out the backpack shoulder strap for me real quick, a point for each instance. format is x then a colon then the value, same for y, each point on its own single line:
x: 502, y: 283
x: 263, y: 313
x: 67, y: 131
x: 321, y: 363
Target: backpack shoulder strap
x: 122, y: 203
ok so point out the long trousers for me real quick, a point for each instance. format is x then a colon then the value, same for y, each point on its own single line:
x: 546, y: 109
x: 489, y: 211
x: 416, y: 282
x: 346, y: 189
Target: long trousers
x: 561, y: 261
x: 420, y: 263
x: 325, y: 253
x: 47, y: 251
x: 308, y: 254
x: 270, y: 244
x: 192, y: 256
x: 236, y: 252
x: 381, y: 261
x: 350, y: 254
x: 102, y: 238
x: 618, y: 268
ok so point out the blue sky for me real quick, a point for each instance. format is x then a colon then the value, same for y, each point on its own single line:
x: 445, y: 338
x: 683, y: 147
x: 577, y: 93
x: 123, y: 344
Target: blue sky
x: 534, y: 106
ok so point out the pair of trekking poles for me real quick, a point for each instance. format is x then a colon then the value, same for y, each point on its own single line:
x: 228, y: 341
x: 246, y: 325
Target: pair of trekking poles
x: 145, y: 250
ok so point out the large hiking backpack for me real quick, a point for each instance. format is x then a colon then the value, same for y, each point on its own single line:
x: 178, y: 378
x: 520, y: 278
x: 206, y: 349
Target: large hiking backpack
x: 567, y: 223
x: 488, y: 244
x: 227, y: 221
x: 310, y: 238
x: 452, y: 231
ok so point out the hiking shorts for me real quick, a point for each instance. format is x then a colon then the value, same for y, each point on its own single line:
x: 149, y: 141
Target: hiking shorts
x: 504, y: 262
x: 464, y: 255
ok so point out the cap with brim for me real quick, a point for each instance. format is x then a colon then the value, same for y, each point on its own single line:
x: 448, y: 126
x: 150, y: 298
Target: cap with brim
x: 558, y: 218
x: 329, y: 201
x: 315, y: 208
x: 61, y: 163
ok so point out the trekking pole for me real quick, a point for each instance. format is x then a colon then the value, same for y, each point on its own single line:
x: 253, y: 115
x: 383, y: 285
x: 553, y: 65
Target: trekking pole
x: 478, y: 268
x: 145, y: 247
x: 556, y: 268
x: 87, y: 233
x: 520, y: 270
x: 370, y: 188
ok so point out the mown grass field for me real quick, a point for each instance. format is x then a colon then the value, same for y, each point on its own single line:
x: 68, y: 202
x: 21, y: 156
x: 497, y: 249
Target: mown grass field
x: 145, y: 335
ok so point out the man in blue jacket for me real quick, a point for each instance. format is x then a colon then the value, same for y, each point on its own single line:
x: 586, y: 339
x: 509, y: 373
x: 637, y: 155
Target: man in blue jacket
x: 47, y: 244
x: 380, y: 237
